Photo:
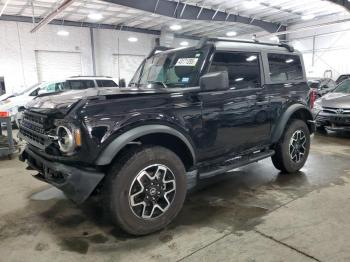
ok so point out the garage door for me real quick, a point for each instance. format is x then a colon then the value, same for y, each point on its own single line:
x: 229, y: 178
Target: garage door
x: 125, y: 65
x: 57, y: 65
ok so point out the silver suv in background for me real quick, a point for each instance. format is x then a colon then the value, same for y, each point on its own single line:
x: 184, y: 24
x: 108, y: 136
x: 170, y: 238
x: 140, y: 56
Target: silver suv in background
x: 16, y: 105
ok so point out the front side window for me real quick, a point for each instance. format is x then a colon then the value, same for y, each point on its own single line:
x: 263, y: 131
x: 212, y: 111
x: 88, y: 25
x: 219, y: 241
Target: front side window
x: 175, y: 69
x: 285, y: 68
x: 343, y: 87
x: 243, y: 68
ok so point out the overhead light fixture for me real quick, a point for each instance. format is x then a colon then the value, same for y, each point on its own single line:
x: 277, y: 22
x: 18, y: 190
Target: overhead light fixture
x: 274, y: 38
x: 132, y: 39
x: 251, y: 58
x: 231, y: 33
x: 62, y: 33
x: 175, y: 27
x: 239, y: 79
x: 308, y: 17
x: 288, y: 61
x: 95, y: 16
x: 184, y: 43
x: 251, y: 4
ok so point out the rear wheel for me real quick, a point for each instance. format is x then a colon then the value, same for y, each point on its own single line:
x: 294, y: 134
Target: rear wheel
x: 293, y: 149
x: 145, y: 190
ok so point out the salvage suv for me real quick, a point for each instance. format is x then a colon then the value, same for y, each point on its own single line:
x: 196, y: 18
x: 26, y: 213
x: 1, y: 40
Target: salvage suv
x: 189, y: 114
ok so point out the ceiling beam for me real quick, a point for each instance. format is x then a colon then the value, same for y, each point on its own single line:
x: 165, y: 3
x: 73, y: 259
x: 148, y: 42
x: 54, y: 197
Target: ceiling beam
x: 344, y: 3
x: 52, y: 15
x: 27, y: 19
x: 179, y: 10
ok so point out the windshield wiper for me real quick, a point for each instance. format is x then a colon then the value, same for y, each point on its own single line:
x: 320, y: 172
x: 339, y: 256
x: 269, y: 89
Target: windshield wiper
x: 159, y: 83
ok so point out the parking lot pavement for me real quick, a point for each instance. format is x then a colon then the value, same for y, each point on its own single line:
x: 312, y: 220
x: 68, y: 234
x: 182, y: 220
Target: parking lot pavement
x: 249, y: 214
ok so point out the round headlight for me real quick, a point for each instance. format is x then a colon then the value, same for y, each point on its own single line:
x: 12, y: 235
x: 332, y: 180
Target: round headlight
x: 65, y: 139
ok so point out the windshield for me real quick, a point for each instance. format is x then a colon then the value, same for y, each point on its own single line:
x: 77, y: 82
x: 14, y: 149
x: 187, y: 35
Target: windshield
x: 175, y: 69
x: 344, y: 87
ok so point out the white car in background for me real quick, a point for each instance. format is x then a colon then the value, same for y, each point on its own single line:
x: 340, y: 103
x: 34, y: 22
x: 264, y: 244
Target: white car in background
x: 15, y: 105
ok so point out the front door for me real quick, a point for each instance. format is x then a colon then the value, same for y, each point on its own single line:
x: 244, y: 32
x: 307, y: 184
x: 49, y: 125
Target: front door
x: 236, y: 119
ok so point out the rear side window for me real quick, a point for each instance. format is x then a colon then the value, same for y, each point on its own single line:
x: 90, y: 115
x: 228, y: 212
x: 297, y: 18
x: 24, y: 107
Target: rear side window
x: 106, y: 83
x: 79, y: 84
x: 243, y: 68
x: 285, y: 68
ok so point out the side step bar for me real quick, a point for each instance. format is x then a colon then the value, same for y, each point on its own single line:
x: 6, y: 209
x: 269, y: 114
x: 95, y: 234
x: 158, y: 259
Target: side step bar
x: 237, y: 162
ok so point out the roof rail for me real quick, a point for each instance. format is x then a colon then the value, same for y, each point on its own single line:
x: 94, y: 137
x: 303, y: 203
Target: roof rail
x: 158, y: 49
x: 90, y: 76
x: 204, y: 40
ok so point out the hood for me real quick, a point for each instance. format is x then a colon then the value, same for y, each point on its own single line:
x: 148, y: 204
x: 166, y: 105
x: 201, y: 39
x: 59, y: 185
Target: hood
x: 336, y: 100
x: 64, y: 101
x: 5, y: 96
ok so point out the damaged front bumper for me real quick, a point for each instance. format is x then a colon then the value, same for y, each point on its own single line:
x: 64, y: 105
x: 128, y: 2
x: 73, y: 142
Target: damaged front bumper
x: 76, y: 183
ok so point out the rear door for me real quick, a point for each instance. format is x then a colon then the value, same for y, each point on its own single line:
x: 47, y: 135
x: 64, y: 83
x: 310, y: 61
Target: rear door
x: 237, y: 119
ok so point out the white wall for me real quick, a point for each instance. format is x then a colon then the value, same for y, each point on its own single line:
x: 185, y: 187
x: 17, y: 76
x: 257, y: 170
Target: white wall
x: 106, y: 46
x: 18, y: 46
x: 324, y: 48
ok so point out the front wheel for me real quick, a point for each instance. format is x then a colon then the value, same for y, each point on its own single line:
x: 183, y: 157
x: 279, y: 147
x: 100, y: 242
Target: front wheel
x: 146, y: 189
x: 293, y: 149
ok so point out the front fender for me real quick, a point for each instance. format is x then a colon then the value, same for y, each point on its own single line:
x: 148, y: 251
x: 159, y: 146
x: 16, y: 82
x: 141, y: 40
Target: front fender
x: 121, y: 141
x: 277, y: 132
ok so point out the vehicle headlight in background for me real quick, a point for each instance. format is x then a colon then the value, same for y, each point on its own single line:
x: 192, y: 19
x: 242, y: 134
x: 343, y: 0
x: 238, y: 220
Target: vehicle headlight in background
x: 68, y: 140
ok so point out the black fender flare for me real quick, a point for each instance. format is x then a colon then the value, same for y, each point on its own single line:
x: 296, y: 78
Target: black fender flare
x: 284, y: 118
x: 106, y: 157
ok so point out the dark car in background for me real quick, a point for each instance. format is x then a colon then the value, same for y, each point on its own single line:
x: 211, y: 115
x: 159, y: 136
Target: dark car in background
x: 341, y: 78
x: 333, y: 110
x: 322, y: 86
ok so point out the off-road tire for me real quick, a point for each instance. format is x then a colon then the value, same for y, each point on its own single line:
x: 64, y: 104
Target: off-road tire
x: 282, y: 159
x: 120, y: 179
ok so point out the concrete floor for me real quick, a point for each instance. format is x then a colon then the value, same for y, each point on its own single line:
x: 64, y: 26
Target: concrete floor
x: 250, y: 214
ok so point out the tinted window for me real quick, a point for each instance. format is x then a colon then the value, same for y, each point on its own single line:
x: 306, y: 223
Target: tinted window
x: 79, y: 84
x: 285, y: 67
x: 243, y: 68
x: 106, y: 83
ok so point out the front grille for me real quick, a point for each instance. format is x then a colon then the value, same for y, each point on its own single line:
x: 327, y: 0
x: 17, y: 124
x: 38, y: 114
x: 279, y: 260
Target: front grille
x: 338, y: 111
x: 32, y: 128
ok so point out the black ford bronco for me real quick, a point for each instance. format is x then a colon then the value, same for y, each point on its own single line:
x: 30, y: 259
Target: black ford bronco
x: 188, y: 114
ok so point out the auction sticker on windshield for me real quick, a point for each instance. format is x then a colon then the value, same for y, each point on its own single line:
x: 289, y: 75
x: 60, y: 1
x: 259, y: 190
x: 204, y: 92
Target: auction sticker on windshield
x: 189, y: 61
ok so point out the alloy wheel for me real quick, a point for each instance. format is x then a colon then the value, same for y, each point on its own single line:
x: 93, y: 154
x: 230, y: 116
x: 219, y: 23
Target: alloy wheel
x: 152, y: 191
x: 297, y: 146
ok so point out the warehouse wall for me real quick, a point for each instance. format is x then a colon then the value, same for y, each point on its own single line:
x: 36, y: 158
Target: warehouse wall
x: 18, y: 45
x: 325, y: 48
x: 109, y: 43
x: 17, y: 50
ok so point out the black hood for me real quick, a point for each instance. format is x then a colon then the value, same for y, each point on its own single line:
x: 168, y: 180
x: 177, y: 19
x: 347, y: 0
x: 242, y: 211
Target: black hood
x: 65, y: 100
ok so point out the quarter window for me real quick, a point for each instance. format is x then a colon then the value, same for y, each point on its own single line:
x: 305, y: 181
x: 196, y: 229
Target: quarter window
x: 106, y: 83
x: 285, y: 68
x: 243, y: 68
x: 79, y: 84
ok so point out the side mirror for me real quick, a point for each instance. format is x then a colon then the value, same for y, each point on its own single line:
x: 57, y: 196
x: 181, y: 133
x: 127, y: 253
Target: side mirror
x: 122, y: 83
x: 214, y: 81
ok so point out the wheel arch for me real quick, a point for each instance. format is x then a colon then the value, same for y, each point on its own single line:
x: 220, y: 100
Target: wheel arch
x: 160, y: 135
x: 296, y: 111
